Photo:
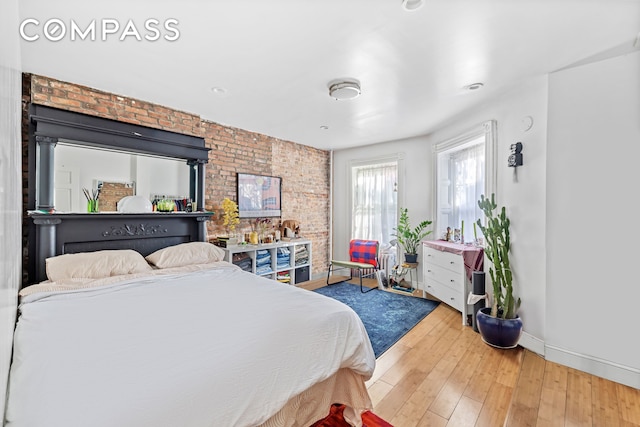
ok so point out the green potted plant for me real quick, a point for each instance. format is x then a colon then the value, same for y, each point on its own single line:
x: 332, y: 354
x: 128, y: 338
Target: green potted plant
x: 409, y: 237
x: 498, y: 324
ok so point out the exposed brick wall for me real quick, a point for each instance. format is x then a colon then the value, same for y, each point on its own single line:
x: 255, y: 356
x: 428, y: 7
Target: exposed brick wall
x: 305, y: 193
x: 82, y: 99
x: 305, y: 170
x: 111, y: 193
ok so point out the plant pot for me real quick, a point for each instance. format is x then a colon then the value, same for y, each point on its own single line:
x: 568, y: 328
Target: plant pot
x: 497, y: 332
x: 411, y: 258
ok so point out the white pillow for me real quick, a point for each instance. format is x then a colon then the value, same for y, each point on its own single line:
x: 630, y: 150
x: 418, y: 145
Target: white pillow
x: 186, y: 254
x: 95, y: 265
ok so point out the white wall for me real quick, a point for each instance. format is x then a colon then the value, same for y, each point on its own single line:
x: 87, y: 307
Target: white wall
x: 414, y: 186
x: 524, y: 198
x: 523, y: 194
x: 91, y: 165
x: 574, y: 237
x: 592, y: 236
x: 154, y: 175
x: 10, y: 185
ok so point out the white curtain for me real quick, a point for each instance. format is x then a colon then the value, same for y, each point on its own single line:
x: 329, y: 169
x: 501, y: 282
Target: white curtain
x: 468, y: 184
x: 10, y: 185
x: 375, y: 202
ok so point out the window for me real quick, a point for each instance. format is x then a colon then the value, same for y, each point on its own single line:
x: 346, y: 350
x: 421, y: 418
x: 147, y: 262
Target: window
x: 374, y: 201
x: 464, y: 171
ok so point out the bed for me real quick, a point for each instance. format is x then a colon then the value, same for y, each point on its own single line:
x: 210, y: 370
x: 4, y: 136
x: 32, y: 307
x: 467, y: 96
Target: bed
x: 180, y: 338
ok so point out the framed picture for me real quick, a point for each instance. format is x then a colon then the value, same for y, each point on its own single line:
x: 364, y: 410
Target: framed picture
x: 259, y: 195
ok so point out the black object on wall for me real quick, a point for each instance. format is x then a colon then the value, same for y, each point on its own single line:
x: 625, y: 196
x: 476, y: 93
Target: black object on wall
x: 515, y: 158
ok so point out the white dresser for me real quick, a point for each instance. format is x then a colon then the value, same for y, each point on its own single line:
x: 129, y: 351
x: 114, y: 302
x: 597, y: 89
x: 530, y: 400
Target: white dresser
x: 445, y: 274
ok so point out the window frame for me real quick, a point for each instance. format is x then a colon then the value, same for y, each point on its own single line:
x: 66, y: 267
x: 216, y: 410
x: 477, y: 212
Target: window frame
x: 398, y: 158
x: 488, y: 130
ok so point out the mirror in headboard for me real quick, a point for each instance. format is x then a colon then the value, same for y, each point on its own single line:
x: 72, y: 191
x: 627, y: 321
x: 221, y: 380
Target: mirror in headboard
x: 78, y: 167
x: 50, y: 127
x: 53, y: 132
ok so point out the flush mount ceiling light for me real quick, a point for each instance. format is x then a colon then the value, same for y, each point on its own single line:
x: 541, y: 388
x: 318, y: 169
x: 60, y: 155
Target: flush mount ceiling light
x: 344, y: 89
x: 219, y: 91
x: 411, y: 5
x: 474, y: 86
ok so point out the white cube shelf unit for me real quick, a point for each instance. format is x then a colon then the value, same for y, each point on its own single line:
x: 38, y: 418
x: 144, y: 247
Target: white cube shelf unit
x: 292, y: 267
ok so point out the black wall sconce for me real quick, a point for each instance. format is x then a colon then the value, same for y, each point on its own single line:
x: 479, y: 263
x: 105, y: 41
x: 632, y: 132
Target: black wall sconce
x: 515, y: 158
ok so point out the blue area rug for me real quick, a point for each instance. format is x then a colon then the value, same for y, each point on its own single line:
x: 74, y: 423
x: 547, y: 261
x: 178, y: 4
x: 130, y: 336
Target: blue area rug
x: 386, y: 316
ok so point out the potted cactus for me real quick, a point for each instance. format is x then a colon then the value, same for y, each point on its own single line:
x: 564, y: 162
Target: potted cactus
x: 499, y: 324
x: 410, y: 237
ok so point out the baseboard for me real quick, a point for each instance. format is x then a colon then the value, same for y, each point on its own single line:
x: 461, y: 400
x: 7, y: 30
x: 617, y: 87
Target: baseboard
x: 532, y: 343
x: 601, y: 368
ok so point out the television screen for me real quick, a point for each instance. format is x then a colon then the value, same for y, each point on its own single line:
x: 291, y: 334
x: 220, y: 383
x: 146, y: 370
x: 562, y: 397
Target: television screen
x: 259, y: 195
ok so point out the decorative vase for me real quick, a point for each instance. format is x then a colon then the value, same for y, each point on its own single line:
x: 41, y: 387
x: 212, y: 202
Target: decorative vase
x: 411, y: 258
x: 92, y: 205
x: 497, y: 332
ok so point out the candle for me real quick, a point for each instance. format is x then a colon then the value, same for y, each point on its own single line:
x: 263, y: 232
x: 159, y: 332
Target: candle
x: 475, y: 234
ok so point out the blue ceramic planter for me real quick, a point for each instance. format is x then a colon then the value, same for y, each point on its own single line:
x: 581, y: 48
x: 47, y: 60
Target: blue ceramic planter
x: 411, y: 258
x: 500, y: 333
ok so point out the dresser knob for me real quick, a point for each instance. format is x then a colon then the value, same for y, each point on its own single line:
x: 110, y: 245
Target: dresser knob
x: 451, y: 262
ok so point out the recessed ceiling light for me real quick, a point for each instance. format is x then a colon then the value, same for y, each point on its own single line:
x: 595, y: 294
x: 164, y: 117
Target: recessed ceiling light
x: 344, y: 89
x: 324, y: 127
x: 411, y: 5
x: 219, y: 90
x: 474, y: 86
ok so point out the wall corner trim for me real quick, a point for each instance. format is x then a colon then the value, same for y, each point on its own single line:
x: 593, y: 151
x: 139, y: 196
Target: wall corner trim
x: 532, y: 343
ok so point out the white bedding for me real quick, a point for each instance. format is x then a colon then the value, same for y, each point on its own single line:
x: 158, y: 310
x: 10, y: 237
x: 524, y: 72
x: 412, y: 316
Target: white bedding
x: 216, y: 347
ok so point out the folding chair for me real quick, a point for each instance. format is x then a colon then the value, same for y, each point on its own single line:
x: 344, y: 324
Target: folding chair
x: 363, y: 257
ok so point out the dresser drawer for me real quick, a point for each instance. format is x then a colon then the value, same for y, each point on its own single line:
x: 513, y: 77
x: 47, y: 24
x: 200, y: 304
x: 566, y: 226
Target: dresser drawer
x: 444, y: 259
x: 445, y: 294
x: 452, y: 279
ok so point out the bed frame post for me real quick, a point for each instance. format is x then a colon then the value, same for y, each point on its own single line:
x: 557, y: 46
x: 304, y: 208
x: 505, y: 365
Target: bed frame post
x: 46, y: 243
x: 202, y: 228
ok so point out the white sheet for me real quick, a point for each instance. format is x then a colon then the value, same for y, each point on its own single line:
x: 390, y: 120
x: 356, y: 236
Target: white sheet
x: 218, y: 347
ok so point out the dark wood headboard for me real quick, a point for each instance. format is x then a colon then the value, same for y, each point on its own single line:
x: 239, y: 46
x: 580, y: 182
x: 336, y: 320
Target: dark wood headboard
x: 59, y: 233
x: 65, y: 233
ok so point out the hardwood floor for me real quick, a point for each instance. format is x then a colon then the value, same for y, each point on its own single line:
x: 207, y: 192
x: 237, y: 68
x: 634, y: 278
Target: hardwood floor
x: 442, y: 374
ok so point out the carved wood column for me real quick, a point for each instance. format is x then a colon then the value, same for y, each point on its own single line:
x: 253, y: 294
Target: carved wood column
x: 45, y: 244
x: 46, y: 170
x: 196, y: 181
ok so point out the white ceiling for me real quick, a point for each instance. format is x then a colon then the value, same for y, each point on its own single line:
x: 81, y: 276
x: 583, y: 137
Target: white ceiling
x: 275, y: 58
